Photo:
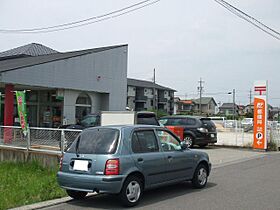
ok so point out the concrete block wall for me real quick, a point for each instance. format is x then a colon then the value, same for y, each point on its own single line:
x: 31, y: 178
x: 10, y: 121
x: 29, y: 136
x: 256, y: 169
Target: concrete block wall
x: 49, y: 160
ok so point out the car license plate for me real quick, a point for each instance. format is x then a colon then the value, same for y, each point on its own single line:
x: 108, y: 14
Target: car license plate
x: 80, y: 165
x: 212, y: 135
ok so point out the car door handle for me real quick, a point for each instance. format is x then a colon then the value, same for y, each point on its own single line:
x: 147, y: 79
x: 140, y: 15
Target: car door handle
x: 140, y: 160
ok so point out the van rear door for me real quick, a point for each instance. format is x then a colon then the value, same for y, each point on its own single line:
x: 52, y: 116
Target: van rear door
x: 147, y: 118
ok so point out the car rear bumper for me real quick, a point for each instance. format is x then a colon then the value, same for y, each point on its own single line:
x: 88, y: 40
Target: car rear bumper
x: 90, y: 183
x: 205, y: 140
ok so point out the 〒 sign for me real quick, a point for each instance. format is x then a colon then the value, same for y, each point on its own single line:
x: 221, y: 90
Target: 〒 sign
x: 260, y: 115
x: 261, y: 90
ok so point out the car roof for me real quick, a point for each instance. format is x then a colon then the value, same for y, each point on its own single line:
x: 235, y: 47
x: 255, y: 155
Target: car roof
x: 183, y: 116
x: 145, y: 112
x: 125, y: 126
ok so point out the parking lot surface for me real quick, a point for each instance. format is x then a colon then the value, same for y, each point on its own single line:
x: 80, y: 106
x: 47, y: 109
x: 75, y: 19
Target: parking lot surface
x: 251, y: 184
x: 220, y: 156
x: 224, y: 160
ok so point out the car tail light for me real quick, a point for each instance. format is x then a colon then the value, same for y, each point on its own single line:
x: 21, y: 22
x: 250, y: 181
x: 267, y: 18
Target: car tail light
x: 203, y: 130
x: 112, y: 167
x: 60, y: 163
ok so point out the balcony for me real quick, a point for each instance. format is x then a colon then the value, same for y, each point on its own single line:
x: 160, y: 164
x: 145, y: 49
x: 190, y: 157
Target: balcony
x: 141, y: 98
x: 162, y: 100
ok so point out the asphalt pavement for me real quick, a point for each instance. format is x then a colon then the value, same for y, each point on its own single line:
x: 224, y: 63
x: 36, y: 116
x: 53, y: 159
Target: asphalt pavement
x: 253, y: 183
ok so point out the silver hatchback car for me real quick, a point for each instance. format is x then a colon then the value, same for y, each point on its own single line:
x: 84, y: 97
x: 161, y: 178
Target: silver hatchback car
x: 126, y: 160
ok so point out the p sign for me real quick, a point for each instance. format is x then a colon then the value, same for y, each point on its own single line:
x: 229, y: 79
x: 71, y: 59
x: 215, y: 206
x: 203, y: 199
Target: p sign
x: 260, y: 121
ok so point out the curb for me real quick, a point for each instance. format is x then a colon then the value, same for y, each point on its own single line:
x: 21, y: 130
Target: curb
x: 43, y: 204
x: 49, y: 203
x: 243, y: 148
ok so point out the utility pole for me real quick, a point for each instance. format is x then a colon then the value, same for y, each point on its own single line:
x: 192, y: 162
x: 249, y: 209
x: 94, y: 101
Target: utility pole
x: 278, y: 114
x: 200, y: 89
x: 233, y: 95
x: 250, y: 100
x: 154, y: 90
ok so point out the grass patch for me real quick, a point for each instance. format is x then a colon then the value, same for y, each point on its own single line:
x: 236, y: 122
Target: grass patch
x: 27, y: 183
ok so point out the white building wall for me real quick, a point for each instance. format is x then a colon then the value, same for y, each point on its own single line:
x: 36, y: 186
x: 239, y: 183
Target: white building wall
x: 69, y: 107
x: 149, y: 93
x: 131, y: 91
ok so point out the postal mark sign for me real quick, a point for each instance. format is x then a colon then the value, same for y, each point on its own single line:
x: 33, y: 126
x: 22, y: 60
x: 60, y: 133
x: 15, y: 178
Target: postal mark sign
x: 260, y: 115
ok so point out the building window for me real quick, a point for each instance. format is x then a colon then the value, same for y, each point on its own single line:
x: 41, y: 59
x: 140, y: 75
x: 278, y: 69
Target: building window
x: 83, y: 106
x: 32, y: 96
x: 83, y: 99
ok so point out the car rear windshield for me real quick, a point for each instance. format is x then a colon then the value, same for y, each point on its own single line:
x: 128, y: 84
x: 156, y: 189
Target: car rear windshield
x: 96, y: 141
x: 147, y: 119
x: 177, y: 121
x: 208, y: 122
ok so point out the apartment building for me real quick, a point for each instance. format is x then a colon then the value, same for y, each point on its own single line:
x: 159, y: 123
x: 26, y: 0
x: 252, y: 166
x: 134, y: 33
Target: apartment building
x: 140, y: 96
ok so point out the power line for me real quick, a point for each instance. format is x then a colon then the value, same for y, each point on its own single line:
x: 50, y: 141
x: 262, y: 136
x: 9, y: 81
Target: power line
x: 249, y: 19
x: 154, y: 91
x: 84, y: 22
x: 75, y: 22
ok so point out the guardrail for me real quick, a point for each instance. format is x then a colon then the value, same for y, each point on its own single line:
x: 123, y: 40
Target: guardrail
x: 37, y: 139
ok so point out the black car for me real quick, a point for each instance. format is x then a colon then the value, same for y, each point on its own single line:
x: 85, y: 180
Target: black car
x: 197, y: 130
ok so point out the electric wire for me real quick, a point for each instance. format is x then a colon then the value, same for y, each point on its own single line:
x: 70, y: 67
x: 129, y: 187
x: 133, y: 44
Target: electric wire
x: 84, y: 22
x: 251, y: 17
x: 76, y: 22
x: 251, y: 20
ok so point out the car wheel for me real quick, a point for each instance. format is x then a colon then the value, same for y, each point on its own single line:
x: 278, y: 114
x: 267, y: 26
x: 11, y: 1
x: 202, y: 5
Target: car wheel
x: 188, y: 139
x: 131, y: 191
x: 202, y: 145
x: 76, y: 194
x: 200, y: 176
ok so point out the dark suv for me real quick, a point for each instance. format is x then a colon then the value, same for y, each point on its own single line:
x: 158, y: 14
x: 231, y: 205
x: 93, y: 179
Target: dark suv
x: 197, y: 130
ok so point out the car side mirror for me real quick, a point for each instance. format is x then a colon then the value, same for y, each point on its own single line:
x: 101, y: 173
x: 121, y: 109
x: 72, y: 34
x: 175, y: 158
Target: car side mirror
x: 184, y: 145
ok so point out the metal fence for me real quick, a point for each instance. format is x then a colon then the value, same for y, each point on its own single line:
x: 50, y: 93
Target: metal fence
x: 234, y: 133
x: 274, y: 136
x: 50, y: 139
x: 56, y: 140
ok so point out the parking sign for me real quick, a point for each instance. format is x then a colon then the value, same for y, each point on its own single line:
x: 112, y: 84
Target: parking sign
x: 260, y: 115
